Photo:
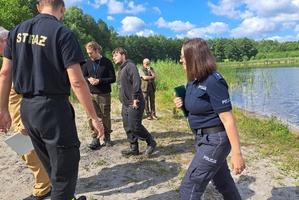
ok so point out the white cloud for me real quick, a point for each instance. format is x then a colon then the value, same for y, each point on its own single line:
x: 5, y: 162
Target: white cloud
x: 283, y: 39
x: 176, y: 26
x: 135, y: 9
x: 145, y: 33
x: 132, y: 24
x: 97, y: 3
x: 217, y: 28
x: 156, y: 9
x: 110, y: 18
x: 260, y: 18
x: 254, y: 28
x: 118, y: 7
x: 228, y: 8
x: 115, y: 7
x: 272, y: 7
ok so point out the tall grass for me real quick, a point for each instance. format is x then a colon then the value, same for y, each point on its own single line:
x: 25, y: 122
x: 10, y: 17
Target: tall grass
x: 169, y: 75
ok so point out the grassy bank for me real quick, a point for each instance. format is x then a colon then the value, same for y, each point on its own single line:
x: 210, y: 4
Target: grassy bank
x: 275, y: 62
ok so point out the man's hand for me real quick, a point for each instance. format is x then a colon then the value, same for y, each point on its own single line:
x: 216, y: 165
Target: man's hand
x: 93, y: 81
x: 5, y: 121
x: 97, y: 127
x: 135, y: 103
x: 23, y: 131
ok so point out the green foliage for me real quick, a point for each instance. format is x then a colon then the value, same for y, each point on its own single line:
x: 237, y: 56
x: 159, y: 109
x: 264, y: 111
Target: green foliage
x: 233, y: 49
x: 13, y: 12
x: 152, y: 47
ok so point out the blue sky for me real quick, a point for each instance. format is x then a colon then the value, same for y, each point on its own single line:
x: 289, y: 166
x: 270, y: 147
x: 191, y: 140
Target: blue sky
x: 254, y: 19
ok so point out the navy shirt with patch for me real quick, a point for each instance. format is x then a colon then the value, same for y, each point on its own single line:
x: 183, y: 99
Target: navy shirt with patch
x: 41, y: 49
x: 205, y: 99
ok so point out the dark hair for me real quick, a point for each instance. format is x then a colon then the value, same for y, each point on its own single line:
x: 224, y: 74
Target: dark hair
x: 120, y: 50
x: 199, y: 59
x: 54, y: 3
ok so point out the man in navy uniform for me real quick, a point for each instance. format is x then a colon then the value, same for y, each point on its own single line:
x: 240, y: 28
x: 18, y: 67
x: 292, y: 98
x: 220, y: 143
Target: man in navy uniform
x: 42, y: 57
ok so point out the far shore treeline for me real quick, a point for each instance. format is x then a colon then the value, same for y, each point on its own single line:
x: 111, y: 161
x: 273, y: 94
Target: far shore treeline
x: 156, y: 47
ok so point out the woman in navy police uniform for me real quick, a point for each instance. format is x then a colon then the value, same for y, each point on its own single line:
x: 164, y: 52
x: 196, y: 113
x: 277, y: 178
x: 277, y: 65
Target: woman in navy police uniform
x: 211, y: 120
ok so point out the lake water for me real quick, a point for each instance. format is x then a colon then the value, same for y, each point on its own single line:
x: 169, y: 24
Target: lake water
x: 269, y: 92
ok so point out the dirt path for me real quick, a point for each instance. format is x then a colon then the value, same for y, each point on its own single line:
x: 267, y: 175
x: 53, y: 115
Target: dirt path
x: 105, y: 174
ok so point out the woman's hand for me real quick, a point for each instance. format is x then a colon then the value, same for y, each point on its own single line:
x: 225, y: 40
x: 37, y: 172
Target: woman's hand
x: 178, y: 101
x: 237, y: 163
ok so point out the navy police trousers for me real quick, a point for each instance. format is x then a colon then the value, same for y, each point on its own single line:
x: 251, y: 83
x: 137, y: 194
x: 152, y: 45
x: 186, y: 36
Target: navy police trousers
x: 209, y: 164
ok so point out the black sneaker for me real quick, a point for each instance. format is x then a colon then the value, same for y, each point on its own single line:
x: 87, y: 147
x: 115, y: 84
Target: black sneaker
x: 81, y: 198
x: 151, y: 148
x: 95, y: 144
x: 32, y: 197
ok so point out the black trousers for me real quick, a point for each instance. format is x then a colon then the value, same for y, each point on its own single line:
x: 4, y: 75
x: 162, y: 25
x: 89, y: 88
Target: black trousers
x: 50, y: 123
x: 132, y: 123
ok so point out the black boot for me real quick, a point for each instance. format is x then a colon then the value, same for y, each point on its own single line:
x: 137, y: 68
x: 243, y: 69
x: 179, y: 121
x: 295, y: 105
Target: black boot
x: 107, y: 140
x: 133, y: 151
x: 151, y: 145
x: 80, y: 198
x: 95, y: 144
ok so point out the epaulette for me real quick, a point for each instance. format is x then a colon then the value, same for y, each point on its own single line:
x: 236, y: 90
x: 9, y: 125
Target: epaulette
x: 217, y: 75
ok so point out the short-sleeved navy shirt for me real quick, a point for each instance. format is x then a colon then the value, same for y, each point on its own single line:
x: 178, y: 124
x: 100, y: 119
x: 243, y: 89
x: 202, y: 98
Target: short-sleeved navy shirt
x: 40, y: 49
x: 205, y: 99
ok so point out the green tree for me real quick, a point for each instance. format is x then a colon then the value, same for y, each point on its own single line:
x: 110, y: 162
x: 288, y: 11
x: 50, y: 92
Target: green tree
x: 13, y: 12
x: 87, y: 29
x: 81, y: 25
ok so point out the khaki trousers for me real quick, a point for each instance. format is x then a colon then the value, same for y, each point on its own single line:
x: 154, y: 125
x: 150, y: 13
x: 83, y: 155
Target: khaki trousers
x: 42, y: 183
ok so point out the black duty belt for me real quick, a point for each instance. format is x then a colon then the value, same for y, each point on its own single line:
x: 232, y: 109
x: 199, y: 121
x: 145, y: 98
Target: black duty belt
x: 210, y: 130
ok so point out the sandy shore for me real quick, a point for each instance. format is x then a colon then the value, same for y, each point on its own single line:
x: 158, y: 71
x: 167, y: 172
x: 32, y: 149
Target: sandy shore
x: 105, y: 174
